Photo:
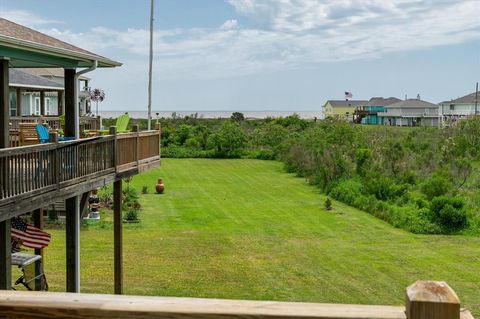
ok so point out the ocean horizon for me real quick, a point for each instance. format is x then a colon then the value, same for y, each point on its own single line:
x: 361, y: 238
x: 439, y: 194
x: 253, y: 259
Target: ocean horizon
x: 212, y: 114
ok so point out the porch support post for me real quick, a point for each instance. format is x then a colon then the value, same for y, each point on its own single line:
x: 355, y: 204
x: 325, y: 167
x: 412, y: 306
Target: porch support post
x: 5, y: 240
x: 117, y: 226
x: 72, y: 227
x: 38, y: 222
x: 60, y: 99
x: 72, y: 204
x: 118, y: 237
x: 42, y: 103
x: 19, y: 102
x: 71, y: 103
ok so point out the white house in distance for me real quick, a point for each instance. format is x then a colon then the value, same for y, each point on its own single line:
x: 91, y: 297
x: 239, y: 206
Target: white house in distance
x: 56, y: 75
x: 411, y: 112
x: 459, y: 108
x: 26, y: 91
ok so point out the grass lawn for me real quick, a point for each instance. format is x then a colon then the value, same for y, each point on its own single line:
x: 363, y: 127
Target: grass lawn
x: 245, y: 229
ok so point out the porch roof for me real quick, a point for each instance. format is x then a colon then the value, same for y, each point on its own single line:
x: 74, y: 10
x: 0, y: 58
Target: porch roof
x: 19, y: 78
x: 29, y: 48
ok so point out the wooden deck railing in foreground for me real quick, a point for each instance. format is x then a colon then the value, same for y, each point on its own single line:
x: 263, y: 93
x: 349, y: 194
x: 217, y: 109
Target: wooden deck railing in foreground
x: 421, y: 303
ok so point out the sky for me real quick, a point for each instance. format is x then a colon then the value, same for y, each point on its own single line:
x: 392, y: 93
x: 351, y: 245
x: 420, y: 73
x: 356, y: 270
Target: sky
x: 267, y: 55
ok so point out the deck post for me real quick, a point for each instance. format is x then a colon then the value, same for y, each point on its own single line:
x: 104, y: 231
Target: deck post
x: 72, y: 227
x: 117, y: 228
x: 38, y: 222
x: 19, y: 102
x: 60, y: 99
x: 42, y: 103
x: 432, y: 299
x: 72, y: 205
x: 5, y: 240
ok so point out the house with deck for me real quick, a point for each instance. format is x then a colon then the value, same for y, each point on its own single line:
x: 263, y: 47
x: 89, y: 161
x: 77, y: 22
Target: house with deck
x: 411, y: 112
x: 27, y: 91
x: 34, y: 176
x: 342, y: 108
x: 456, y: 109
x: 368, y: 113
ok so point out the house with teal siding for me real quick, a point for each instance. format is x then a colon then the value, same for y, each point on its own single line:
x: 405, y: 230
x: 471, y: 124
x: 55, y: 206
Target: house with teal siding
x: 368, y: 113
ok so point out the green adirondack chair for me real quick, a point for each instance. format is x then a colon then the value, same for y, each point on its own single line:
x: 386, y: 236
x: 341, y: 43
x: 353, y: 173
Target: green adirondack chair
x: 121, y: 123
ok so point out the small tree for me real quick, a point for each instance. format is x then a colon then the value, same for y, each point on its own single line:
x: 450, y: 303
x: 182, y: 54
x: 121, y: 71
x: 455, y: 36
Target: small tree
x: 96, y: 95
x: 237, y: 116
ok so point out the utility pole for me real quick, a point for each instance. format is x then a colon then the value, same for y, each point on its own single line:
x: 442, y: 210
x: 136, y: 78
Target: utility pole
x: 150, y: 69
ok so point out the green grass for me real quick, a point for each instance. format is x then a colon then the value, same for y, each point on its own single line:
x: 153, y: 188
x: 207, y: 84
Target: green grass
x: 246, y: 229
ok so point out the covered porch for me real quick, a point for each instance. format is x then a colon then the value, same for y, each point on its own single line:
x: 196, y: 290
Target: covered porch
x: 33, y: 176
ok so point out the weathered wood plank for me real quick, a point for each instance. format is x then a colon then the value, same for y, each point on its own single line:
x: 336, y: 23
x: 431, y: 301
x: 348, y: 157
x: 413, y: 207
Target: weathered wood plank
x: 62, y: 305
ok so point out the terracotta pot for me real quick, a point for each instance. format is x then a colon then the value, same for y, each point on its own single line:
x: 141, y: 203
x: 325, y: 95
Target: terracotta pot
x: 160, y: 187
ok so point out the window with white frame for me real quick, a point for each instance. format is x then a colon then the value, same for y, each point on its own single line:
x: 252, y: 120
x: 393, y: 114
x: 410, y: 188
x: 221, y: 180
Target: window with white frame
x: 36, y: 110
x: 47, y: 106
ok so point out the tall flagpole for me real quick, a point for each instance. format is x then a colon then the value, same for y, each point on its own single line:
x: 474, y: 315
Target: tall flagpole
x: 150, y: 69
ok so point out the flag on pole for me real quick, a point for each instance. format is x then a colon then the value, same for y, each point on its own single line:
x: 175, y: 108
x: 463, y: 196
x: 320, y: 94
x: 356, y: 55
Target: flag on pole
x: 348, y: 95
x: 28, y: 235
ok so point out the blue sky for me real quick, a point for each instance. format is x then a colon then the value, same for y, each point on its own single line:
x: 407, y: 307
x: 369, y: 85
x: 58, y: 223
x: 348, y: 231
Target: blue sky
x: 268, y: 54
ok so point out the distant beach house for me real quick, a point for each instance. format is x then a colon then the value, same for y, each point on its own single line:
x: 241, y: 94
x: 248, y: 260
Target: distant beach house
x: 29, y: 87
x: 342, y: 108
x: 411, y: 112
x: 454, y: 110
x: 368, y: 113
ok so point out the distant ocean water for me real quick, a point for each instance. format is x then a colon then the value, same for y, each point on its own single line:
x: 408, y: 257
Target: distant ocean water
x: 212, y: 114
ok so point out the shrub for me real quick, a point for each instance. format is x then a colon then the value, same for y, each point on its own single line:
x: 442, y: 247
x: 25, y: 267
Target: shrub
x: 448, y: 213
x: 328, y: 204
x: 52, y: 215
x: 144, y: 189
x: 436, y: 186
x: 131, y: 215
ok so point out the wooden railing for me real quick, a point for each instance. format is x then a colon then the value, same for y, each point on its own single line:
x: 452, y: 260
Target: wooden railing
x: 41, y: 172
x: 421, y: 304
x: 86, y: 122
x: 137, y: 149
x: 43, y: 167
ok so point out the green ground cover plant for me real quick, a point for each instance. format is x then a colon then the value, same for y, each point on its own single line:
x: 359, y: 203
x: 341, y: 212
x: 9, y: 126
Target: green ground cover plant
x: 245, y: 229
x: 393, y: 173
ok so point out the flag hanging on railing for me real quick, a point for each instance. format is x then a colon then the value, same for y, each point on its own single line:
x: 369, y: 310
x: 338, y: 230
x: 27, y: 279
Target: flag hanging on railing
x: 28, y: 235
x: 348, y: 95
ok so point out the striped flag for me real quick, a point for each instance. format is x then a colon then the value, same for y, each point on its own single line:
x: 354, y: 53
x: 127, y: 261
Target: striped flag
x: 28, y: 235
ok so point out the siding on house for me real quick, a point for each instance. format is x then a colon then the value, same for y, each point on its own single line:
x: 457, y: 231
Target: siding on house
x: 412, y: 112
x: 342, y: 108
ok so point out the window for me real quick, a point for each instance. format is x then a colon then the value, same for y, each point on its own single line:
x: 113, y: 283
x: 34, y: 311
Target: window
x: 13, y: 103
x: 47, y: 106
x: 36, y: 110
x: 452, y: 107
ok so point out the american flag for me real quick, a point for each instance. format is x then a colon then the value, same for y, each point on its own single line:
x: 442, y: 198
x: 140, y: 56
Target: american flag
x: 348, y: 95
x: 28, y: 235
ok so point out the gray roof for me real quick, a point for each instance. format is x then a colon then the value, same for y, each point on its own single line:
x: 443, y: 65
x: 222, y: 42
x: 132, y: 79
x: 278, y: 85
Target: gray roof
x: 467, y: 99
x: 380, y: 101
x: 343, y: 103
x: 20, y: 78
x: 412, y: 103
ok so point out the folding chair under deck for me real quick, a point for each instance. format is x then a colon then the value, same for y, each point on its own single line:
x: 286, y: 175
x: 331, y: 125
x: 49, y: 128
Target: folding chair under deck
x: 27, y: 263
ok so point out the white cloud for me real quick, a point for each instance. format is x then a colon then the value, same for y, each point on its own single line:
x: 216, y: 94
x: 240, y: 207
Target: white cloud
x: 229, y: 24
x: 25, y: 18
x: 288, y: 34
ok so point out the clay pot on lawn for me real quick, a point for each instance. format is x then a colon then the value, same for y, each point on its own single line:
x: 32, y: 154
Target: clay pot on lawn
x: 160, y: 187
